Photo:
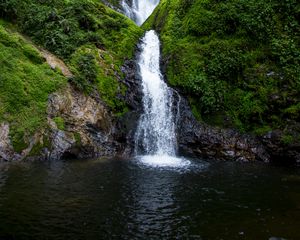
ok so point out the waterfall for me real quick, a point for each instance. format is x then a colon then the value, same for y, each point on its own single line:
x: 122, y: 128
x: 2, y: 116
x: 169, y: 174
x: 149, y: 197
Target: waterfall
x: 139, y: 10
x: 156, y: 129
x: 155, y: 138
x: 156, y: 132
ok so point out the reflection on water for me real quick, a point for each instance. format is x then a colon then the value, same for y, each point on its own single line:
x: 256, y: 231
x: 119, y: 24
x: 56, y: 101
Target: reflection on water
x: 122, y: 199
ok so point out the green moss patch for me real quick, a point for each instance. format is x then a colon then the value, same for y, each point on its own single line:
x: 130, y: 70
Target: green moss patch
x: 60, y: 123
x: 25, y: 84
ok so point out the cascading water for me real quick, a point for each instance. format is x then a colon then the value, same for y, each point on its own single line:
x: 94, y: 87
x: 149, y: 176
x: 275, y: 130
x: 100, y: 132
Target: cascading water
x: 155, y: 138
x: 139, y: 10
x: 156, y: 131
x: 155, y: 134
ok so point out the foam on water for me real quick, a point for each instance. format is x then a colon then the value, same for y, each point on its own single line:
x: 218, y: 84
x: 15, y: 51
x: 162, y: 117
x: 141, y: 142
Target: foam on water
x: 162, y: 161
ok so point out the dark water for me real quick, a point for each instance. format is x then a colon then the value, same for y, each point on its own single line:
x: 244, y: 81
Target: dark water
x: 120, y: 199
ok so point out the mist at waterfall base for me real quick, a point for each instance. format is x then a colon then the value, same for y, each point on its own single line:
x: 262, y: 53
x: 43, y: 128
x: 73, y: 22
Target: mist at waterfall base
x: 155, y: 139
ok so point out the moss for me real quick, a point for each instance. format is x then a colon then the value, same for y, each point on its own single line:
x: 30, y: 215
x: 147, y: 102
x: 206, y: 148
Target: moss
x: 94, y: 70
x: 38, y: 147
x: 25, y: 84
x: 18, y: 142
x: 287, y: 139
x: 60, y: 123
x: 293, y: 111
x: 36, y: 150
x: 77, y: 138
x: 217, y: 119
x: 195, y: 109
x: 262, y: 130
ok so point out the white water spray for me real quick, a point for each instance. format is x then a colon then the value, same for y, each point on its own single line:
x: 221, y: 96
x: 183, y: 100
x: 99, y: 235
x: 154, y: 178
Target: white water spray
x: 155, y: 134
x: 139, y: 10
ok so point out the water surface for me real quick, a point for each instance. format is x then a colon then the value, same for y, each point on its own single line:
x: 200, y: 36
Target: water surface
x: 124, y: 199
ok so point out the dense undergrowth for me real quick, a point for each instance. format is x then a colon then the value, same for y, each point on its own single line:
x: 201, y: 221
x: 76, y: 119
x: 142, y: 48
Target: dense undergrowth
x: 237, y: 60
x: 86, y: 34
x: 92, y: 39
x: 25, y: 83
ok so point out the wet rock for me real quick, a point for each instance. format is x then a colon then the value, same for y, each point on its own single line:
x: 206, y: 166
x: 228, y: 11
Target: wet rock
x: 280, y: 152
x: 203, y: 140
x: 61, y: 142
x: 6, y: 149
x: 206, y: 141
x: 127, y: 124
x: 7, y: 152
x: 89, y: 129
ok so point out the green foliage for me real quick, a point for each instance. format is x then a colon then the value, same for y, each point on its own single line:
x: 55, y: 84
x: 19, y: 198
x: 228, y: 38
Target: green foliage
x: 293, y: 111
x: 94, y: 70
x: 91, y: 38
x: 37, y: 148
x: 287, y: 139
x: 63, y: 26
x: 77, y: 138
x: 262, y: 130
x: 240, y: 57
x: 60, y: 123
x: 66, y: 28
x: 210, y: 92
x: 85, y: 68
x: 25, y: 83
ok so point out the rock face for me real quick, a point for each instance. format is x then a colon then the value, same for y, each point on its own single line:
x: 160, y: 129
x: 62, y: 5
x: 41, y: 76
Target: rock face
x: 210, y: 142
x: 127, y: 124
x: 281, y: 153
x: 79, y: 125
x: 6, y: 150
x: 88, y: 131
x: 88, y: 126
